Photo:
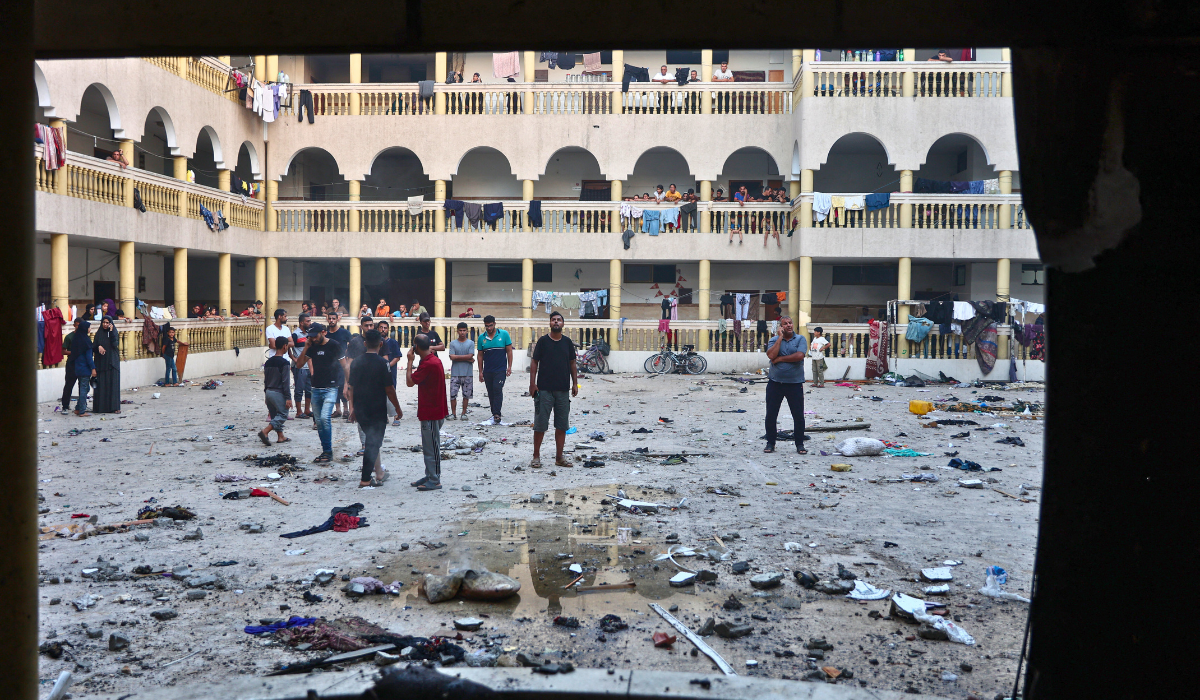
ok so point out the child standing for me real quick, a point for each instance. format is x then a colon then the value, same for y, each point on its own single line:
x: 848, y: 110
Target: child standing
x: 462, y: 359
x: 277, y: 385
x: 168, y: 353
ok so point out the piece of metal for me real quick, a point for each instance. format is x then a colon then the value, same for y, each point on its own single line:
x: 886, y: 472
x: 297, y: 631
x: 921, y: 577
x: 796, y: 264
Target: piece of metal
x: 695, y: 639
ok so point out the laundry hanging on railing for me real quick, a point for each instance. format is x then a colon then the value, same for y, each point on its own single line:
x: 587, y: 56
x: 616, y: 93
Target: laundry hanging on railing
x: 415, y: 204
x: 535, y: 214
x: 822, y: 203
x: 650, y: 221
x: 474, y: 213
x: 587, y: 303
x: 506, y: 65
x: 492, y: 213
x: 591, y: 61
x: 54, y: 156
x: 628, y: 211
x: 878, y: 200
x: 634, y: 74
x: 925, y: 186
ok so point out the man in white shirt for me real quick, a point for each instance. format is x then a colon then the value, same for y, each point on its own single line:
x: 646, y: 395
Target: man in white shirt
x: 276, y: 329
x: 817, y: 354
x: 722, y: 76
x: 662, y: 77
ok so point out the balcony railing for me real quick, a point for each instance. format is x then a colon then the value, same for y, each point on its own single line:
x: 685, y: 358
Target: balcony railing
x: 205, y: 71
x: 104, y: 181
x: 201, y: 334
x: 937, y: 211
x: 888, y: 79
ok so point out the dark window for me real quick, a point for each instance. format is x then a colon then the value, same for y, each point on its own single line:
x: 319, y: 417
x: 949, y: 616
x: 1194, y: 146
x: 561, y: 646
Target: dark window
x: 141, y: 284
x: 962, y: 161
x: 595, y: 191
x: 1033, y: 274
x: 43, y: 291
x: 658, y: 274
x: 694, y: 57
x: 865, y: 274
x: 664, y: 274
x: 511, y: 272
x: 960, y: 275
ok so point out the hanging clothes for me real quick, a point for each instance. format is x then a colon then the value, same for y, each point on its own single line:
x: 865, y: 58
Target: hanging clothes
x: 474, y: 212
x: 985, y: 348
x: 651, y: 219
x: 52, y: 334
x: 1037, y: 342
x: 591, y: 62
x: 492, y: 213
x: 877, y: 350
x: 550, y: 57
x: 665, y: 304
x: 963, y: 311
x: 855, y: 202
x: 688, y: 211
x: 722, y: 325
x: 822, y: 203
x: 741, y: 307
x: 570, y: 301
x: 918, y: 329
x: 634, y: 74
x: 506, y: 65
x: 991, y: 186
x: 627, y: 237
x: 664, y: 326
x: 681, y: 76
x: 535, y: 214
x: 976, y: 187
x: 628, y: 211
x: 670, y: 216
x: 455, y: 207
x: 878, y: 200
x: 621, y: 329
x: 837, y: 201
x: 415, y: 204
x: 566, y: 60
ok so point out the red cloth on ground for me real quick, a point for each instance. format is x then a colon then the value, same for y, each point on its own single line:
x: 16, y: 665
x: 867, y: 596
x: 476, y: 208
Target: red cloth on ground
x: 259, y: 492
x: 52, y: 353
x: 343, y: 522
x: 430, y: 378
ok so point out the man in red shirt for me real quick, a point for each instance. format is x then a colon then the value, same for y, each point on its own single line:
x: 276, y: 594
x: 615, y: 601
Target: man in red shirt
x: 430, y: 380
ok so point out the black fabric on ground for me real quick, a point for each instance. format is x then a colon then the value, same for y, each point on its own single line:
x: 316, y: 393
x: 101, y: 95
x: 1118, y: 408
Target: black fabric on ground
x: 353, y: 509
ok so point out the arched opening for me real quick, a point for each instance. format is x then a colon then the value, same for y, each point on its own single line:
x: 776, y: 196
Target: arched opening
x: 157, y: 149
x: 94, y: 131
x: 484, y: 173
x: 573, y: 173
x: 207, y: 158
x: 752, y: 168
x: 313, y: 176
x: 956, y: 157
x: 659, y: 166
x: 247, y: 169
x: 856, y: 163
x: 396, y: 174
x: 44, y: 107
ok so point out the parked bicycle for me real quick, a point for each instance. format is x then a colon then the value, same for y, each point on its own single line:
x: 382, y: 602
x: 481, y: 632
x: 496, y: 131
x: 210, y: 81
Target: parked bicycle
x: 592, y: 360
x: 665, y: 361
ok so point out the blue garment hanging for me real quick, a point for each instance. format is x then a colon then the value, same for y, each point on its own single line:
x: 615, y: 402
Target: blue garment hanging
x: 651, y: 218
x: 878, y: 200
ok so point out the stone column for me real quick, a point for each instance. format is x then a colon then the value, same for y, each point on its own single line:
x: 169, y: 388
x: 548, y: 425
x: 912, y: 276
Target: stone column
x: 181, y: 63
x: 529, y: 61
x: 272, y: 68
x: 702, y: 299
x: 793, y: 301
x: 804, y: 294
x: 526, y: 299
x: 906, y: 209
x: 618, y: 75
x: 806, y: 208
x: 355, y: 299
x: 260, y: 68
x: 807, y: 85
x: 614, y: 298
x: 272, y: 301
x: 705, y: 214
x: 439, y: 75
x: 907, y: 82
x: 223, y: 180
x: 903, y: 292
x: 355, y: 78
x: 224, y: 293
x: 1005, y: 209
x: 439, y: 215
x: 272, y: 217
x: 60, y: 280
x: 126, y: 146
x: 439, y: 289
x: 127, y: 287
x: 1003, y: 280
x: 353, y: 217
x: 706, y: 77
x: 614, y: 224
x: 526, y: 195
x: 60, y: 175
x: 1006, y: 76
x: 181, y: 292
x: 260, y: 279
x: 180, y: 173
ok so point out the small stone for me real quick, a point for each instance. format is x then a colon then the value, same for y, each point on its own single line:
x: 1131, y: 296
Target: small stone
x: 835, y: 587
x: 255, y: 528
x: 196, y: 534
x: 355, y: 589
x: 404, y: 547
x: 117, y: 642
x: 95, y: 634
x: 816, y: 654
x: 672, y: 538
x: 55, y: 601
x: 788, y: 603
x: 767, y: 580
x: 199, y: 581
x: 673, y: 608
x: 927, y: 631
x: 733, y: 604
x: 818, y: 643
x: 682, y: 579
x: 729, y: 631
x: 468, y: 624
x: 196, y: 595
x: 740, y: 567
x: 708, y: 627
x: 537, y: 498
x: 846, y: 574
x: 706, y: 575
x: 164, y: 614
x: 141, y: 537
x: 966, y: 667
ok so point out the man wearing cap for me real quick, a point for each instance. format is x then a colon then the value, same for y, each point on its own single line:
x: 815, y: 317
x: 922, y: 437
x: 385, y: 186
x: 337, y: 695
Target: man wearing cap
x: 435, y: 341
x: 326, y: 355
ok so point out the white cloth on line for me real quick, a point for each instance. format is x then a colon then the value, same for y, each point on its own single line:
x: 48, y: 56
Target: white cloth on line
x: 506, y: 65
x: 963, y: 311
x: 822, y: 203
x: 415, y: 204
x: 741, y: 307
x: 855, y: 202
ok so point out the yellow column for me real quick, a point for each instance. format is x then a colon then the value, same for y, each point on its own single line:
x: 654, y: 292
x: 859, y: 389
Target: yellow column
x: 804, y: 294
x: 271, y: 220
x: 181, y: 281
x: 126, y: 146
x: 260, y: 68
x: 223, y: 180
x: 906, y: 209
x: 614, y: 298
x: 60, y: 281
x: 807, y: 86
x: 526, y: 299
x: 907, y: 88
x: 797, y: 62
x: 439, y: 74
x: 706, y: 77
x: 224, y: 294
x: 127, y: 287
x: 705, y: 214
x: 180, y: 173
x: 1005, y: 209
x: 353, y: 219
x: 526, y: 195
x: 60, y: 175
x: 793, y: 301
x: 355, y: 299
x: 356, y: 77
x: 1006, y: 76
x: 182, y: 63
x: 702, y: 300
x: 793, y: 188
x: 272, y: 301
x: 529, y: 61
x: 614, y: 221
x: 439, y: 287
x: 260, y: 279
x: 439, y: 217
x: 806, y: 208
x: 903, y: 291
x: 1003, y: 279
x: 618, y: 71
x: 272, y: 68
x: 225, y: 59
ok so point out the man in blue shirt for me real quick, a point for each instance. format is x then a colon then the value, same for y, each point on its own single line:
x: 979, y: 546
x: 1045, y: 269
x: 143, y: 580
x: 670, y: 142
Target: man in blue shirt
x: 785, y: 380
x: 495, y: 363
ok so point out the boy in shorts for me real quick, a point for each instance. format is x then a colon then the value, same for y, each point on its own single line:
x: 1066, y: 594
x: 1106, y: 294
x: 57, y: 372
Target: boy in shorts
x: 462, y: 361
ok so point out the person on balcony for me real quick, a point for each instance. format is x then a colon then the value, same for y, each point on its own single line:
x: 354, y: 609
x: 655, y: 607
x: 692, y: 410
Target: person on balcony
x: 659, y: 194
x: 719, y: 196
x: 118, y: 157
x: 197, y: 311
x: 383, y: 310
x: 662, y: 78
x: 672, y: 194
x: 723, y: 76
x: 364, y: 310
x: 943, y: 55
x: 415, y: 309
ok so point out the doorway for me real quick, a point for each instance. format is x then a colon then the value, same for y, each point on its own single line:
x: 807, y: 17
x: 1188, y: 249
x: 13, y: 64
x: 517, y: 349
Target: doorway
x: 104, y: 290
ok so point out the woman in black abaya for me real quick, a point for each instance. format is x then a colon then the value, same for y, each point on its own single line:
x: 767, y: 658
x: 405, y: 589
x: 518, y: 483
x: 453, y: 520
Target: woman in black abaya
x: 107, y: 357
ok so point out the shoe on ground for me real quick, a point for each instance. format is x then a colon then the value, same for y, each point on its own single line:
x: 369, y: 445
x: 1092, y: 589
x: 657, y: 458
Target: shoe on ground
x: 420, y: 482
x: 429, y: 486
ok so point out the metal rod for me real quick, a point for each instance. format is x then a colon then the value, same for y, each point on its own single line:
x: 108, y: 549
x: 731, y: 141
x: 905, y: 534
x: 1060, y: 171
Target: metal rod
x: 695, y: 639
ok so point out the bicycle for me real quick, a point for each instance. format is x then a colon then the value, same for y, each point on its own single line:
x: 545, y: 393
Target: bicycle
x: 665, y: 361
x: 592, y: 360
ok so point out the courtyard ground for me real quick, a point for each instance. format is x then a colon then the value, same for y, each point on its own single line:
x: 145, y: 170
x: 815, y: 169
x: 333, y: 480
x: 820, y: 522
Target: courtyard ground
x: 495, y: 512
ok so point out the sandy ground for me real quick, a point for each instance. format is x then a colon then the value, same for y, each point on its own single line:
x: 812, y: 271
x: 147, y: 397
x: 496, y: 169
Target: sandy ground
x: 171, y: 448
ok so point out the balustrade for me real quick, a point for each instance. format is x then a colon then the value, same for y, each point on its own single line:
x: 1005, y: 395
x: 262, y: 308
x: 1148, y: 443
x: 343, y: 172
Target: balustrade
x: 203, y: 335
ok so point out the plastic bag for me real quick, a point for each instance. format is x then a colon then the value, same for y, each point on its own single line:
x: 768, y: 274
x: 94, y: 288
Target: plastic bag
x: 916, y: 608
x: 860, y: 447
x: 865, y: 591
x: 992, y: 589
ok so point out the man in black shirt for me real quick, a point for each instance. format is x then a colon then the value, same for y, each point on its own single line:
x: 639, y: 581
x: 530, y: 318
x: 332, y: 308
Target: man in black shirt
x: 368, y: 389
x: 354, y: 350
x: 340, y: 334
x: 326, y: 355
x: 553, y: 380
x: 277, y: 375
x: 435, y: 340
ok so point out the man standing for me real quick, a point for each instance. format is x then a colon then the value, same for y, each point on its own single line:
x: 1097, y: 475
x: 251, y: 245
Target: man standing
x: 817, y: 353
x: 301, y: 373
x: 339, y: 333
x: 369, y: 390
x: 326, y: 355
x: 786, y: 381
x: 430, y: 380
x: 389, y: 350
x: 278, y: 329
x: 435, y: 341
x: 553, y: 380
x: 722, y: 76
x: 662, y: 78
x: 276, y: 371
x: 354, y: 350
x: 495, y: 364
x: 462, y: 356
x: 69, y: 368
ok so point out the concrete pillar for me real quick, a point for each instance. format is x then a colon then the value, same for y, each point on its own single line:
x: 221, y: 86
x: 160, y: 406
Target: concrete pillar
x: 223, y: 180
x: 614, y: 297
x: 60, y: 280
x: 439, y: 287
x: 355, y: 299
x: 1003, y: 279
x: 181, y: 280
x: 529, y: 60
x: 1006, y: 76
x: 127, y: 287
x: 907, y: 81
x: 272, y: 68
x: 60, y: 175
x: 225, y: 293
x: 439, y: 75
x: 272, y: 301
x: 356, y: 77
x: 353, y: 217
x: 227, y: 60
x: 706, y: 76
x: 439, y: 216
x: 618, y: 75
x: 793, y: 188
x: 260, y: 68
x: 181, y: 63
x: 806, y: 208
x: 702, y: 299
x: 807, y: 85
x: 793, y: 300
x: 614, y: 221
x: 526, y: 299
x: 260, y: 279
x: 903, y: 291
x: 1005, y: 209
x: 126, y: 146
x: 180, y: 173
x: 804, y: 294
x: 272, y: 217
x: 526, y: 195
x: 705, y: 214
x: 906, y: 209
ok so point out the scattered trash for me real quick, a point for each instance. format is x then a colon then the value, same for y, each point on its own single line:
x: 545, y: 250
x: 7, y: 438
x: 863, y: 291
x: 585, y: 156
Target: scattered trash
x: 840, y: 467
x: 991, y: 588
x: 662, y: 639
x: 943, y: 589
x: 905, y: 452
x: 696, y: 640
x: 1011, y: 440
x: 970, y: 483
x: 859, y: 447
x: 568, y: 622
x: 865, y: 591
x: 965, y: 464
x: 1000, y: 574
x: 611, y: 623
x: 942, y: 573
x: 794, y: 546
x: 683, y: 579
x: 907, y: 606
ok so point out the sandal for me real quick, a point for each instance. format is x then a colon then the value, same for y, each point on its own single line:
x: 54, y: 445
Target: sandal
x: 323, y: 458
x: 562, y: 463
x: 535, y: 463
x: 801, y: 451
x: 282, y: 439
x: 266, y: 440
x: 427, y: 486
x: 85, y: 414
x: 359, y: 453
x: 769, y: 448
x: 420, y: 482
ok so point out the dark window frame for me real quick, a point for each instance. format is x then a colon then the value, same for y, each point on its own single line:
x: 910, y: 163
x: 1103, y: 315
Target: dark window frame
x: 503, y: 272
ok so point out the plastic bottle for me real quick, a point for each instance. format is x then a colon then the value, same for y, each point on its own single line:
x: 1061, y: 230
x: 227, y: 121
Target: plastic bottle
x: 900, y: 55
x: 843, y: 58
